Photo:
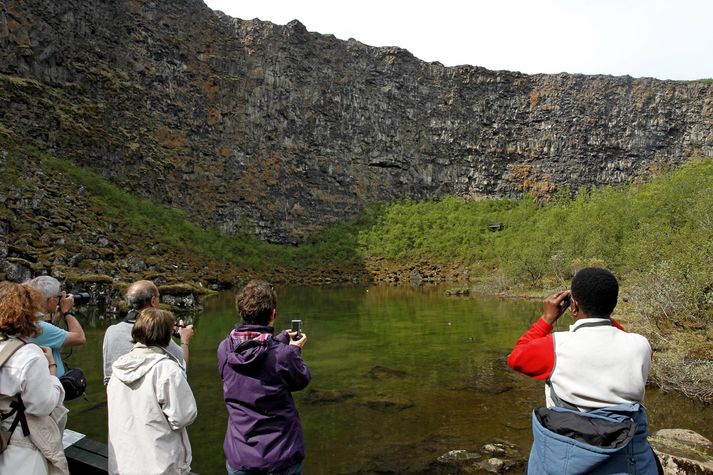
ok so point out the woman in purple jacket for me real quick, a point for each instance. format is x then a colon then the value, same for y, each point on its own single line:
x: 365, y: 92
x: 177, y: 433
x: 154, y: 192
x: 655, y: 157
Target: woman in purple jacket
x: 259, y: 373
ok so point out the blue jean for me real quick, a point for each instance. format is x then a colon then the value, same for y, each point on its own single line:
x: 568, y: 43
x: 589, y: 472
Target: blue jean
x: 293, y: 470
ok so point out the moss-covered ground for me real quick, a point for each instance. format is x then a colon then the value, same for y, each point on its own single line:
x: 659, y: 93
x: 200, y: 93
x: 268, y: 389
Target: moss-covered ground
x: 657, y: 236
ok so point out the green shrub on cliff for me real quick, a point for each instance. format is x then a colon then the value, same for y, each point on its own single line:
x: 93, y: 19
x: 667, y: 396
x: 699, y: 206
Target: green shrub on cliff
x: 627, y: 228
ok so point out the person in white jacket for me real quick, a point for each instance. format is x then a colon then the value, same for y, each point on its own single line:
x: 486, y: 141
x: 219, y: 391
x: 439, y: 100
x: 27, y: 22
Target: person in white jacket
x: 150, y: 403
x: 29, y: 373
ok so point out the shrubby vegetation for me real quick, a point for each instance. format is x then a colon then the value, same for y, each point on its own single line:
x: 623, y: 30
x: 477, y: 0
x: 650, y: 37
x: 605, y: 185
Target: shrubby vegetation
x: 657, y: 237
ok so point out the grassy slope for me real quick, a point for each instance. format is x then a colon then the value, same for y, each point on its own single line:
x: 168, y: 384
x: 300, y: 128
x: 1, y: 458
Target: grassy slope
x: 658, y: 236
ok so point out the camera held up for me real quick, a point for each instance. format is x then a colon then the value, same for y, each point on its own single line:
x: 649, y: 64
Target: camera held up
x: 81, y: 298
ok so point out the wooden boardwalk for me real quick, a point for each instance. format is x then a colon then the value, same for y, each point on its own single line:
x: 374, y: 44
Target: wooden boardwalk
x: 88, y: 457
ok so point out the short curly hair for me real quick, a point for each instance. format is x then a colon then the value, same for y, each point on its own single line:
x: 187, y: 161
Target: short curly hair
x: 19, y: 306
x: 256, y: 302
x: 596, y: 290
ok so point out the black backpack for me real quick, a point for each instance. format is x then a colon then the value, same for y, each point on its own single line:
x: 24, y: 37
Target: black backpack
x: 18, y: 409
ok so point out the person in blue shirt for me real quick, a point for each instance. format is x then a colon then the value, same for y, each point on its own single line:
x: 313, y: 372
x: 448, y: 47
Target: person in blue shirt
x: 58, y: 305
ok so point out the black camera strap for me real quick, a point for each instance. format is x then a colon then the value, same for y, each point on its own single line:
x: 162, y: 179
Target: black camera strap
x: 131, y: 316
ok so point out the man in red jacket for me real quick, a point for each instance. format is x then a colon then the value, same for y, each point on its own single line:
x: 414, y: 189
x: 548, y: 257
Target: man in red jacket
x: 596, y: 363
x: 595, y: 376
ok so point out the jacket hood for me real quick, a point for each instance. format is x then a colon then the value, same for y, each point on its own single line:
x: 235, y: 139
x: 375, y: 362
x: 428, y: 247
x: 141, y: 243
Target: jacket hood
x: 249, y: 344
x: 134, y: 365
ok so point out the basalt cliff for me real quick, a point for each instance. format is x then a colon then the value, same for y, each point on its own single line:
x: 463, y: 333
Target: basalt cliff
x: 247, y: 124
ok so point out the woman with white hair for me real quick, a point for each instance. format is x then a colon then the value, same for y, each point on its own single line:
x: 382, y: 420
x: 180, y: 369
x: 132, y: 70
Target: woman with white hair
x: 58, y: 305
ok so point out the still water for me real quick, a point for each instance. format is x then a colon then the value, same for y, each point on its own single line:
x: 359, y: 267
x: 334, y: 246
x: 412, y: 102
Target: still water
x: 399, y: 377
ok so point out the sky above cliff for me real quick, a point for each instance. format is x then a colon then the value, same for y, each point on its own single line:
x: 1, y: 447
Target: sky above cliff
x: 666, y: 39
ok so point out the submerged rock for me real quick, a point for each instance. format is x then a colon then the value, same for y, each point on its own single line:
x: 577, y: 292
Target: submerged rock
x: 495, y: 457
x: 382, y: 373
x: 389, y: 404
x: 458, y: 292
x: 493, y: 377
x: 326, y: 396
x: 458, y: 456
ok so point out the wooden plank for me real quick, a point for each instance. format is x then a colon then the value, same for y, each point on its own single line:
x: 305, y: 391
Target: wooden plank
x: 88, y: 457
x: 84, y: 462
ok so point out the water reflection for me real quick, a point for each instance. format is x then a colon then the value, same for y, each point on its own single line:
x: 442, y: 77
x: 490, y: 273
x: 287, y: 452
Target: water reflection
x: 400, y: 376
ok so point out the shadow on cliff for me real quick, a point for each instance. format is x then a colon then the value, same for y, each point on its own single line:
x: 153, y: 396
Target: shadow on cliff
x: 335, y: 254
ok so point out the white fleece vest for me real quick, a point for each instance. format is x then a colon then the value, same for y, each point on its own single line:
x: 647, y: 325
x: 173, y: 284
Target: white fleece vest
x: 598, y: 366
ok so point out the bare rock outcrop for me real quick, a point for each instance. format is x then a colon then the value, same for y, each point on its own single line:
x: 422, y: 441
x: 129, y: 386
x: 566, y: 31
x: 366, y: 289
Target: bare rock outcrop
x: 683, y: 452
x: 247, y: 124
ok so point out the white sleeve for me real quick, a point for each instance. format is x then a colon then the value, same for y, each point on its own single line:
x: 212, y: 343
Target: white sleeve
x: 41, y: 392
x: 175, y: 396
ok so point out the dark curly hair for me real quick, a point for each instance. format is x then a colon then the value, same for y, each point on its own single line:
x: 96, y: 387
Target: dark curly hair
x: 19, y: 306
x: 596, y: 291
x: 256, y: 302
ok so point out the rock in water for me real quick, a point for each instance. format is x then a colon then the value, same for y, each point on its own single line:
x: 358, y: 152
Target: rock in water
x: 683, y: 451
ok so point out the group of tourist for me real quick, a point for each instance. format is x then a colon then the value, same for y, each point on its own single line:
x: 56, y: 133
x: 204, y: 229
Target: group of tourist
x: 150, y: 402
x: 594, y: 420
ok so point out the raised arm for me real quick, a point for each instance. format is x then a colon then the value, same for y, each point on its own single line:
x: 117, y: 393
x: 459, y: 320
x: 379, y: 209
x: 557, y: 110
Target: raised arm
x: 534, y: 352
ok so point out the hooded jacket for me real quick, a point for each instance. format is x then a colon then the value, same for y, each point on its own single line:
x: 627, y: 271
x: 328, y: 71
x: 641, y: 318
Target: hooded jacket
x: 150, y: 404
x: 604, y: 441
x: 259, y: 375
x: 26, y: 374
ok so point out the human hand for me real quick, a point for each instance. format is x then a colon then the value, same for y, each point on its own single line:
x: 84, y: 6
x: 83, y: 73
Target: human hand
x: 47, y: 351
x: 300, y: 342
x: 66, y: 302
x: 553, y: 308
x: 185, y: 333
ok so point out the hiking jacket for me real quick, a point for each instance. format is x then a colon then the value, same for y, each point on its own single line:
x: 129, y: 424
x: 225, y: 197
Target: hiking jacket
x: 150, y: 404
x: 606, y: 441
x: 259, y: 373
x: 26, y: 374
x: 118, y: 342
x: 593, y: 365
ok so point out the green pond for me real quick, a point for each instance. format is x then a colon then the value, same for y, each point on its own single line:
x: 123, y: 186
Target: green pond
x: 400, y: 376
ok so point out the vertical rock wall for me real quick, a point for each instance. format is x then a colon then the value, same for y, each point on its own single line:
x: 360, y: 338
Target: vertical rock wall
x: 247, y: 124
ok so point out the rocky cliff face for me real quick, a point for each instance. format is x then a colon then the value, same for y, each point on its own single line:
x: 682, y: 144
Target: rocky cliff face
x: 246, y: 123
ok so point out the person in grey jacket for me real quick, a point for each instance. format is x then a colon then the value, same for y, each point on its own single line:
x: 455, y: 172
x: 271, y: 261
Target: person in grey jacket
x: 117, y: 339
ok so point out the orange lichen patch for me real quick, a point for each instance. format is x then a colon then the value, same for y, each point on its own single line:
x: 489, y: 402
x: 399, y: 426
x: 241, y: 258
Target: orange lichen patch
x: 171, y: 139
x: 192, y: 67
x: 297, y: 209
x: 534, y: 99
x: 262, y: 173
x: 214, y: 117
x: 389, y: 59
x: 518, y: 175
x: 270, y: 172
x: 542, y: 189
x: 526, y: 180
x: 209, y: 87
x: 225, y: 151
